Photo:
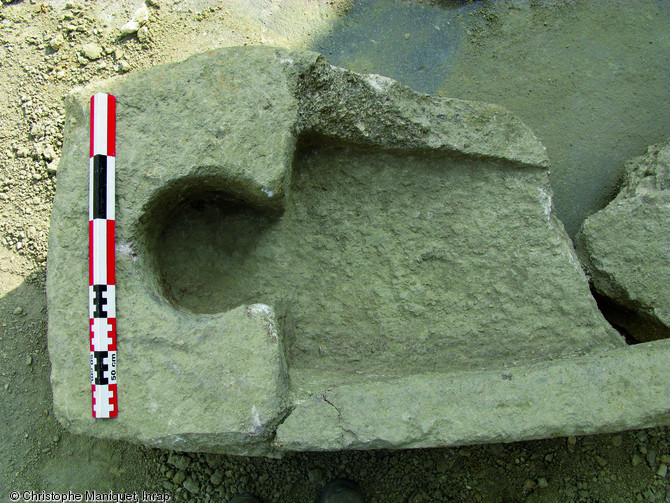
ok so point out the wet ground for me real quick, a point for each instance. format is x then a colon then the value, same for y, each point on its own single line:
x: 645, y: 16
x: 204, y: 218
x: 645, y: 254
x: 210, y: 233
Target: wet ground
x: 592, y: 79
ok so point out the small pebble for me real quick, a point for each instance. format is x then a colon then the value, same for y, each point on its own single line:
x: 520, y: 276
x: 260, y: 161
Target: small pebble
x: 141, y: 15
x: 178, y: 461
x: 651, y: 458
x: 56, y: 42
x: 179, y: 477
x: 130, y: 27
x: 138, y: 20
x: 542, y: 482
x: 91, y: 51
x: 442, y: 466
x: 617, y: 440
x: 49, y: 154
x: 18, y: 311
x: 143, y: 34
x: 216, y: 477
x: 635, y: 460
x: 29, y: 359
x: 315, y: 476
x: 662, y: 470
x: 191, y: 486
x: 601, y: 461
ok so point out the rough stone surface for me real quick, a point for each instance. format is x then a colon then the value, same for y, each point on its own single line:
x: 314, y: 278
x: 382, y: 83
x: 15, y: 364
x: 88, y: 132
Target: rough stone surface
x: 393, y: 234
x: 625, y: 248
x: 613, y: 391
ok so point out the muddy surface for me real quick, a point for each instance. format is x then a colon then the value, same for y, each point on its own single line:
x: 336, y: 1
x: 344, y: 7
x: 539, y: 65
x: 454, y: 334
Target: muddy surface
x: 589, y: 77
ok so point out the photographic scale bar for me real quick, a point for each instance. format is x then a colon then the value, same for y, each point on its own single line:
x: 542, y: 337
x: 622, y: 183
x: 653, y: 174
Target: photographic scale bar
x: 101, y: 277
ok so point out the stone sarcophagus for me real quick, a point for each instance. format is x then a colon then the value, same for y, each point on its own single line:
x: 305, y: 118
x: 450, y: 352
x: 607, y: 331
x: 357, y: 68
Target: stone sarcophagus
x: 312, y: 259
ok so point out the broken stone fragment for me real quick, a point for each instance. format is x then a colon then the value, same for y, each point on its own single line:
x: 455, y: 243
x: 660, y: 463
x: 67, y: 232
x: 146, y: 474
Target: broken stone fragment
x: 625, y: 248
x: 56, y: 42
x: 91, y: 51
x: 139, y: 19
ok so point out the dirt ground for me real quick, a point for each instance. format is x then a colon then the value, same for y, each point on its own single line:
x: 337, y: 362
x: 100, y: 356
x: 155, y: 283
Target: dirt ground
x: 47, y: 48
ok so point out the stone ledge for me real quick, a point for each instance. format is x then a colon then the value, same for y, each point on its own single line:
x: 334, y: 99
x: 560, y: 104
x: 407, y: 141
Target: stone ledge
x: 606, y: 392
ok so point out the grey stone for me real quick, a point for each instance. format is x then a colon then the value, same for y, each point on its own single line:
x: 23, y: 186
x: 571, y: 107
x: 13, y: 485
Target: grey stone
x: 312, y: 259
x: 315, y: 476
x: 56, y: 42
x: 625, y: 248
x: 139, y: 19
x: 179, y: 461
x: 49, y: 154
x: 130, y: 27
x: 214, y: 460
x: 179, y: 477
x: 191, y: 486
x: 216, y: 477
x: 91, y: 51
x: 651, y: 458
x: 123, y: 66
x: 143, y: 34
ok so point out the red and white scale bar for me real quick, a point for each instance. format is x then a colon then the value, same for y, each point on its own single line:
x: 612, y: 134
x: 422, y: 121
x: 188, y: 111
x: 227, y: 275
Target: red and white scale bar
x: 101, y: 280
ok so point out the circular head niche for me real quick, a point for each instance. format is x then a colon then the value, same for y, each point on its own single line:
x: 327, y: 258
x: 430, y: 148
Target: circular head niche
x: 201, y: 245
